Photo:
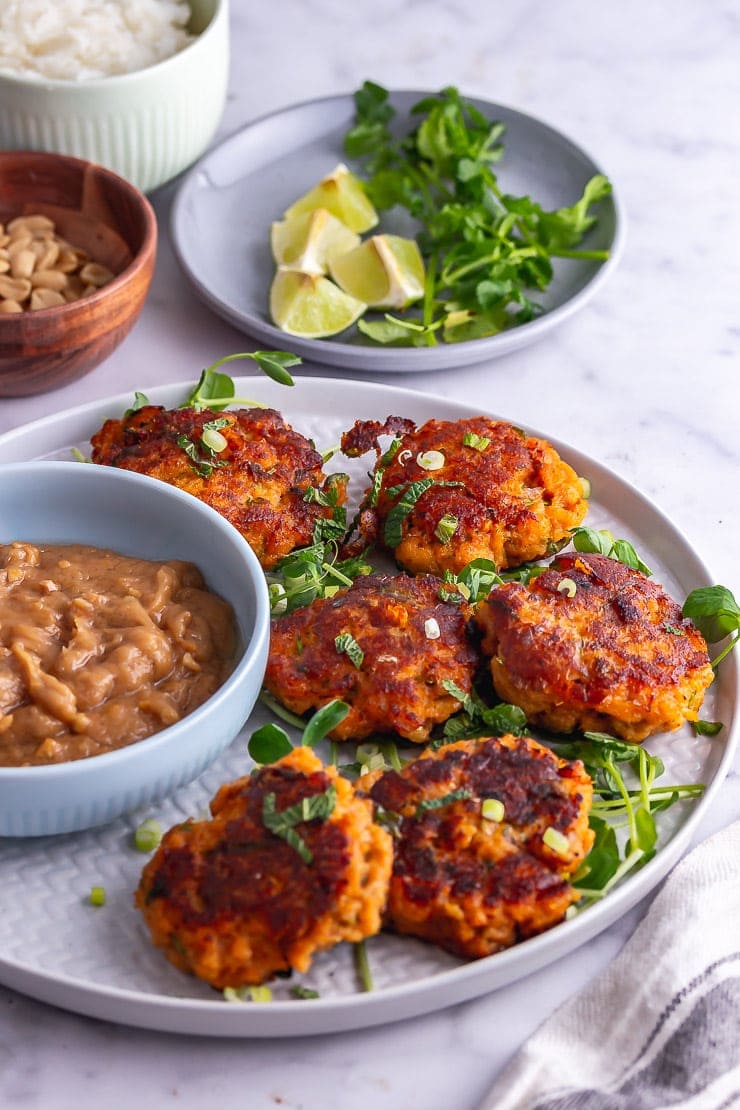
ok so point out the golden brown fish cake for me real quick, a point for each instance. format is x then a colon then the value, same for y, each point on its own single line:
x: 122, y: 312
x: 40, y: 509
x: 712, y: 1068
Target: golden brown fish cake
x: 411, y: 642
x: 509, y: 497
x: 471, y: 884
x: 258, y: 481
x: 616, y: 656
x: 234, y: 903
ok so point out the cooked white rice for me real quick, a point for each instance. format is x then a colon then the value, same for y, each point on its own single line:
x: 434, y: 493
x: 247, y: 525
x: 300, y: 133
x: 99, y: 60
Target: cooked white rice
x: 76, y: 40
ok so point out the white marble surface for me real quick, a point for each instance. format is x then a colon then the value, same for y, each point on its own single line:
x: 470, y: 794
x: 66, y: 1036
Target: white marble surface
x: 644, y: 378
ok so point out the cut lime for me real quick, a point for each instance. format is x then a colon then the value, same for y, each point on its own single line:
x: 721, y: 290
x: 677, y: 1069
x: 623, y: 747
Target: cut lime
x: 386, y: 271
x: 310, y: 240
x: 344, y: 196
x: 310, y: 305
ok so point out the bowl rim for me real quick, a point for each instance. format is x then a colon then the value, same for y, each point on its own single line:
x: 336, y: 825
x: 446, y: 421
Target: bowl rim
x: 59, y: 84
x: 144, y: 256
x: 250, y: 653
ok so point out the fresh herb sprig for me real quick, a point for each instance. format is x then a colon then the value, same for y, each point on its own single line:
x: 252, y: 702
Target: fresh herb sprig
x: 478, y: 719
x: 485, y: 251
x: 270, y: 742
x: 620, y: 804
x: 217, y: 391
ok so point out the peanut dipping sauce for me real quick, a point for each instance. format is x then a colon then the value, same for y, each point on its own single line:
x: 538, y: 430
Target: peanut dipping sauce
x: 99, y: 650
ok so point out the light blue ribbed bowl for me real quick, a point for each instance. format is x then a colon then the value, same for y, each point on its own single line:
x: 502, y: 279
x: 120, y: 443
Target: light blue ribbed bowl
x: 147, y: 126
x: 59, y: 502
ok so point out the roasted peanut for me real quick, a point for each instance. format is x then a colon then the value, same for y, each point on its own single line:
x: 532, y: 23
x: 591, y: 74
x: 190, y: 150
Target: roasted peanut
x: 40, y: 269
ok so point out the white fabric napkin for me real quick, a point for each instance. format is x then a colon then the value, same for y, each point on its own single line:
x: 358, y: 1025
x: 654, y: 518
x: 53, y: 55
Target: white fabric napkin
x: 660, y: 1028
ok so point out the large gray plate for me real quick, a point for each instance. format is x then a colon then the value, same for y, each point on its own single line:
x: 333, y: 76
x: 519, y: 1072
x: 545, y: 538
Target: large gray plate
x: 56, y: 947
x: 224, y: 207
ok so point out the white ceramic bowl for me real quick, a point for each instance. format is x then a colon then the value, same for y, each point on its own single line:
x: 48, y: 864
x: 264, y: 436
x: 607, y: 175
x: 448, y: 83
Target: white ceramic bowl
x: 59, y: 502
x: 147, y: 126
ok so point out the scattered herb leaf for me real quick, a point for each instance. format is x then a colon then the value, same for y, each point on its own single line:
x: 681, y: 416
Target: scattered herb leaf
x: 346, y: 644
x: 315, y: 807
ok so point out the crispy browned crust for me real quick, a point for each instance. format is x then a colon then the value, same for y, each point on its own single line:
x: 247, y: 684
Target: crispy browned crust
x: 398, y: 687
x: 261, y: 490
x: 473, y: 885
x: 514, y: 501
x: 617, y: 656
x: 232, y: 903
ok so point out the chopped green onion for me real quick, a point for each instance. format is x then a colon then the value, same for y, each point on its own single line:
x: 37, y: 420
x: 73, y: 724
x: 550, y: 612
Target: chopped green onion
x: 97, y: 895
x: 213, y: 439
x: 278, y: 597
x: 478, y: 443
x: 567, y: 586
x: 556, y: 842
x: 585, y: 485
x: 492, y: 809
x: 446, y: 528
x: 247, y: 994
x: 148, y: 835
x: 430, y: 460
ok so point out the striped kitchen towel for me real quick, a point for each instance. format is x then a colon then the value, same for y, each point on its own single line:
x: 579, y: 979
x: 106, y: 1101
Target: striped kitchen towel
x: 660, y: 1028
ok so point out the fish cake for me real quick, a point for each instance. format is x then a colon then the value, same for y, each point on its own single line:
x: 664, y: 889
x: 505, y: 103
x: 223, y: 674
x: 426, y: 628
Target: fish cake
x: 471, y: 884
x: 492, y: 493
x: 234, y: 903
x: 259, y: 482
x: 617, y: 656
x: 405, y: 642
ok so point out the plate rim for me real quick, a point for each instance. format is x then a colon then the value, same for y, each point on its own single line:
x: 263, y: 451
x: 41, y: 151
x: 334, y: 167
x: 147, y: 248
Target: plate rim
x: 287, y: 1018
x: 335, y: 352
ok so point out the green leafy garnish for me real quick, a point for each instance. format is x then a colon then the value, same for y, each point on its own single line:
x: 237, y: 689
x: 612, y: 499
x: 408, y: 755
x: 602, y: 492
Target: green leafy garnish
x: 140, y: 400
x: 302, y: 992
x: 270, y: 742
x: 393, y: 527
x: 203, y: 458
x: 314, y: 807
x: 619, y: 804
x: 484, y: 250
x: 346, y: 644
x: 716, y: 614
x: 707, y: 728
x: 217, y: 391
x: 479, y: 719
x: 592, y: 541
x: 323, y: 721
x: 445, y: 800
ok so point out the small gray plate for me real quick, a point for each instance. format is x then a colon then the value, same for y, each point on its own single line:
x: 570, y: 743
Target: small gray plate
x: 224, y: 207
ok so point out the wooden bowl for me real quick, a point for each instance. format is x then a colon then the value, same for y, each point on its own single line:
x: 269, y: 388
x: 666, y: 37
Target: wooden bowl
x: 108, y: 218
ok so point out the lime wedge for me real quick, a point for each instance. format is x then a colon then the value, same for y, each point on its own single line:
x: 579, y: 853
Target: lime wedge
x: 343, y: 195
x: 386, y: 271
x: 310, y: 240
x: 311, y: 306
